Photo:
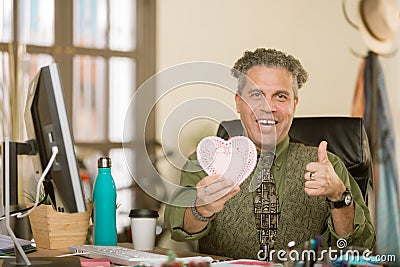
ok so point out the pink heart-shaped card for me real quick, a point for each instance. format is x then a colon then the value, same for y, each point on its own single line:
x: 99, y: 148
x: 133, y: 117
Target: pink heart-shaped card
x: 235, y: 159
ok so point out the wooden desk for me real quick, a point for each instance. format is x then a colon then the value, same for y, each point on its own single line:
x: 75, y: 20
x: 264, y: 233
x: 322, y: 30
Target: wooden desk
x: 58, y: 252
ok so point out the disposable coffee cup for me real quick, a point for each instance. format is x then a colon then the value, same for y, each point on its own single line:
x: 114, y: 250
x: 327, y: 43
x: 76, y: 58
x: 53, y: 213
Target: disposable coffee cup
x: 143, y: 226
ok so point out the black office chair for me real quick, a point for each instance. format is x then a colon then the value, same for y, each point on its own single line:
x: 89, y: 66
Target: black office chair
x: 346, y: 138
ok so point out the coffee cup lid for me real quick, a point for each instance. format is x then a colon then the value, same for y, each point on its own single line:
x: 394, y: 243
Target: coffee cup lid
x: 143, y: 213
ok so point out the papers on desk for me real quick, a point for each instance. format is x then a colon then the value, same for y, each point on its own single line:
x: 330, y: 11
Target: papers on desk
x: 103, y: 262
x: 244, y: 263
x: 7, y: 245
x: 184, y: 260
x: 195, y: 259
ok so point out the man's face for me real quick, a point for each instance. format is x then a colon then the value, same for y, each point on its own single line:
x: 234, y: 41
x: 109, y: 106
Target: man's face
x: 267, y: 105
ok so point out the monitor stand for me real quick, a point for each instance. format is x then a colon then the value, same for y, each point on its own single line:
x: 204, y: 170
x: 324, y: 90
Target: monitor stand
x: 20, y: 257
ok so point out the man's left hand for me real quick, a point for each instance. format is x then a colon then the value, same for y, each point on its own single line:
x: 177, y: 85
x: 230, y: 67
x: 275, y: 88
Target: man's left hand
x: 321, y: 178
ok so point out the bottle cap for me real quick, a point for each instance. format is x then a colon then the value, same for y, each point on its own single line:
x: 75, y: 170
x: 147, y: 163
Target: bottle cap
x: 104, y: 162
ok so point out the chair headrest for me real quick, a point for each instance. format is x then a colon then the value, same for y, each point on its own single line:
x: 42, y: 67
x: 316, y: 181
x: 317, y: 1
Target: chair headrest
x: 346, y: 138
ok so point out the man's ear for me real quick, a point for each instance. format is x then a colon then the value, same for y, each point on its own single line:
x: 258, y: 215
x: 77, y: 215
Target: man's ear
x: 238, y: 100
x: 296, y: 101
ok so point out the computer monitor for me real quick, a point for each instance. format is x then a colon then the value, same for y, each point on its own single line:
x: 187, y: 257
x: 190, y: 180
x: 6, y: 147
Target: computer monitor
x: 47, y: 123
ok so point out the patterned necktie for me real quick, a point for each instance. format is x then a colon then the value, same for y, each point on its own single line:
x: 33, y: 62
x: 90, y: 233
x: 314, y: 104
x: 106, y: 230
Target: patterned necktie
x: 266, y: 205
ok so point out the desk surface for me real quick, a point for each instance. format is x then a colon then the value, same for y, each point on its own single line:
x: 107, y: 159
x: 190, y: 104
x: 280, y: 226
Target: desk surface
x: 57, y: 252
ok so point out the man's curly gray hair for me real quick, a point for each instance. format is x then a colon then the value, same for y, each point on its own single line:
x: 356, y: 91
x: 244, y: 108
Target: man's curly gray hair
x: 270, y: 58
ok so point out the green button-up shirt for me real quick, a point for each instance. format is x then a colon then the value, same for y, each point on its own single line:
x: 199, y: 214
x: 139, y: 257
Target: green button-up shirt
x: 363, y: 228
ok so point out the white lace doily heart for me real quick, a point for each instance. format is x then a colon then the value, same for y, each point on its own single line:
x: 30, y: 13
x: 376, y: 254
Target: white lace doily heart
x: 235, y: 159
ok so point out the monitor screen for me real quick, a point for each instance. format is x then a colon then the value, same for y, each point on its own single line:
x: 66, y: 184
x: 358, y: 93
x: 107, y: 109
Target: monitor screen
x: 46, y: 122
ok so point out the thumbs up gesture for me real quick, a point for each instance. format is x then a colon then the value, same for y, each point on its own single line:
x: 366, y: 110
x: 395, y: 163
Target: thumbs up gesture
x: 321, y: 178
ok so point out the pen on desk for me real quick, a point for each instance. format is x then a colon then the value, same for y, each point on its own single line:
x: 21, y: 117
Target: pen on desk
x: 319, y: 241
x: 306, y: 247
x: 320, y: 259
x: 313, y: 247
x: 302, y: 261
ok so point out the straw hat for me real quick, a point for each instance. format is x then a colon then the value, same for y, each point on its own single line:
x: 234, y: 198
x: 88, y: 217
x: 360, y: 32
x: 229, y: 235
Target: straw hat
x: 378, y: 22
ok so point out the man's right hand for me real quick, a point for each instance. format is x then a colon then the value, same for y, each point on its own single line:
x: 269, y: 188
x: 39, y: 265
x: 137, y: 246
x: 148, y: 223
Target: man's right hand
x: 212, y: 193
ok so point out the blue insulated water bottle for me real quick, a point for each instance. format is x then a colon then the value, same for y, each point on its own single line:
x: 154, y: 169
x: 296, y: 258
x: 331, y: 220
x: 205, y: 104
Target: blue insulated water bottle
x: 105, y: 197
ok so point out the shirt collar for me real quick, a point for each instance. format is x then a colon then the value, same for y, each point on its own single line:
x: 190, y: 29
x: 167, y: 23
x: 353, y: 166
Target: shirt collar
x: 280, y: 151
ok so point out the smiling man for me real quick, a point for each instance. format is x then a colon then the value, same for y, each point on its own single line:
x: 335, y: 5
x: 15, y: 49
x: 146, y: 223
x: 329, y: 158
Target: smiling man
x: 267, y: 104
x: 306, y: 192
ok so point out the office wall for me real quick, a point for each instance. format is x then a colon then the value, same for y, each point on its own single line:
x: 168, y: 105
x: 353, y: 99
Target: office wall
x: 315, y: 31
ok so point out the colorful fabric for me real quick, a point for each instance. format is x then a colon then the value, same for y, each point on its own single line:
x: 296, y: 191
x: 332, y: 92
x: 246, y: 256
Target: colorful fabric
x: 379, y: 127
